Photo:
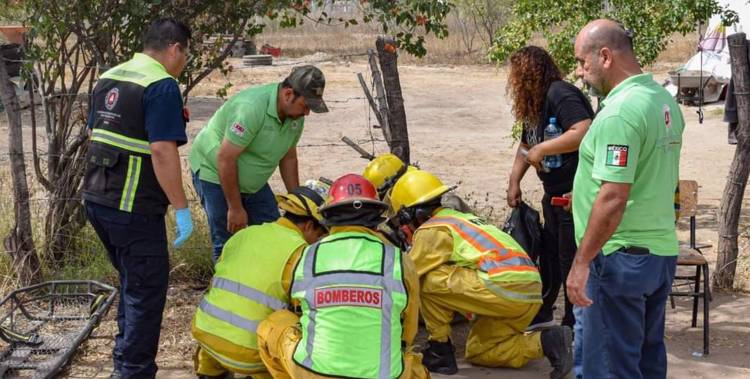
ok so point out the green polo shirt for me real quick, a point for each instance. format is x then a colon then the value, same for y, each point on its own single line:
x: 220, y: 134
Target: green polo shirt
x: 249, y: 120
x: 635, y: 138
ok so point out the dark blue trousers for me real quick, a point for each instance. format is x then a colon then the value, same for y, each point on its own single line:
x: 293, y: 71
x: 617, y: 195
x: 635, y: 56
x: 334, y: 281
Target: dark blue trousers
x: 261, y: 207
x: 623, y: 332
x: 137, y: 247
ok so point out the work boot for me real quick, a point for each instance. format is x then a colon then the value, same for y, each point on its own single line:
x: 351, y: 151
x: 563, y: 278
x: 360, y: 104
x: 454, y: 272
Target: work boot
x: 226, y: 375
x: 557, y: 346
x: 542, y: 320
x: 440, y: 357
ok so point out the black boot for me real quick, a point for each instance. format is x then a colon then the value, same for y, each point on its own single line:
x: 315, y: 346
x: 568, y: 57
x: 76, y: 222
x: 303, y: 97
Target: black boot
x: 543, y: 319
x: 557, y: 347
x: 440, y: 357
x: 226, y: 375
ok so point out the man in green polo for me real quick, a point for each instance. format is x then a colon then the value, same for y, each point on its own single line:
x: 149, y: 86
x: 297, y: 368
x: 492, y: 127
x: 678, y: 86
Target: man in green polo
x: 251, y: 135
x: 623, y: 209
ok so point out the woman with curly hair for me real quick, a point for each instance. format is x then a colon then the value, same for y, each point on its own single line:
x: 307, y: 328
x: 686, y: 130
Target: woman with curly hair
x: 538, y: 92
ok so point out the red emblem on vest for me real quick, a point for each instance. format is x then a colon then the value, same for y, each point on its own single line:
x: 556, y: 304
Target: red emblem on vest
x: 111, y: 99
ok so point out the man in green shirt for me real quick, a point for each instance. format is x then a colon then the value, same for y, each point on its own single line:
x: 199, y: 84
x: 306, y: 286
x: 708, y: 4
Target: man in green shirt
x: 623, y: 209
x: 251, y: 135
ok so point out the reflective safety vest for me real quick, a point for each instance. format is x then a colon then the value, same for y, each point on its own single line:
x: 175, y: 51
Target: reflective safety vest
x: 350, y: 286
x: 119, y: 173
x: 246, y: 288
x: 497, y: 257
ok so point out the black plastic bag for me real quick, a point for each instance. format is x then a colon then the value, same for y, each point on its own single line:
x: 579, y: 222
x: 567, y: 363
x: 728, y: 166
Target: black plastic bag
x: 525, y: 227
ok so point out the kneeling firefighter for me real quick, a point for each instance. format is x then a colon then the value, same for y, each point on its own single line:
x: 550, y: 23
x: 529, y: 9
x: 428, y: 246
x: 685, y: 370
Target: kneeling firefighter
x: 466, y: 265
x: 383, y: 172
x: 358, y: 298
x: 251, y: 281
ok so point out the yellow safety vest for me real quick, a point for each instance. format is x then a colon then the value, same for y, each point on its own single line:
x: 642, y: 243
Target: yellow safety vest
x: 350, y: 286
x: 246, y: 289
x: 497, y: 257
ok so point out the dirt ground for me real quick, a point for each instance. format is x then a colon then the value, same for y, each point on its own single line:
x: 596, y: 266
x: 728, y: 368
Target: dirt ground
x: 459, y: 128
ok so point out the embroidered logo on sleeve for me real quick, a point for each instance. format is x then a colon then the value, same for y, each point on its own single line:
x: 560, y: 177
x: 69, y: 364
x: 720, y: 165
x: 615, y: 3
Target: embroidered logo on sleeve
x: 238, y: 129
x: 617, y: 155
x: 667, y: 116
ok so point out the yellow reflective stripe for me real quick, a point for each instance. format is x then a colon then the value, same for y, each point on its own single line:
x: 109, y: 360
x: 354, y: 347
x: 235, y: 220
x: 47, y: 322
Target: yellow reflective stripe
x: 131, y: 183
x: 121, y: 141
x: 231, y: 363
x: 514, y: 295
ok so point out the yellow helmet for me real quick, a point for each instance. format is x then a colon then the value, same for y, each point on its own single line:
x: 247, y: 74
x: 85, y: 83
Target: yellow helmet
x: 302, y: 201
x: 416, y: 187
x: 382, y: 168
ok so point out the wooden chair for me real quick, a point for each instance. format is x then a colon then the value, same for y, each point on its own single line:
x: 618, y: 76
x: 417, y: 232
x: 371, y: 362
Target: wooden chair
x: 691, y: 256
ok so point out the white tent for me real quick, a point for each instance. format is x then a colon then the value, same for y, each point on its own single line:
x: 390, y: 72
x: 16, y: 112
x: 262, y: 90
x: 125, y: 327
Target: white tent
x: 713, y: 56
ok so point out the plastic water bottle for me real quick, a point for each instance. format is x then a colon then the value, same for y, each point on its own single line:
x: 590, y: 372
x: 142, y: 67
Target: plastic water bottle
x: 550, y: 132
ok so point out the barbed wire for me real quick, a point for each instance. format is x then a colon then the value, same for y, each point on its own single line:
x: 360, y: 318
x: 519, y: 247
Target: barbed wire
x: 4, y: 157
x: 282, y: 62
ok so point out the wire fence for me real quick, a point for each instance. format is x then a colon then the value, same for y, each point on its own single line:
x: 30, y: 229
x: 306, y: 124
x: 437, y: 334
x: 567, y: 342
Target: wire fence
x: 87, y: 257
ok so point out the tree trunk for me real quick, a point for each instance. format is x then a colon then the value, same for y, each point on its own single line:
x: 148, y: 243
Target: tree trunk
x: 731, y: 200
x: 386, y: 47
x: 19, y: 243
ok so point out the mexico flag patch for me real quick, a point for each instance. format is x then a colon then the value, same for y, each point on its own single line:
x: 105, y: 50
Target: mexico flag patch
x: 617, y: 155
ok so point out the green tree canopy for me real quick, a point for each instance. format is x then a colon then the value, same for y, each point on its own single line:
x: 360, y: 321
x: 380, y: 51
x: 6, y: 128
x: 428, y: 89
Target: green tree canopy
x: 70, y: 42
x: 652, y: 21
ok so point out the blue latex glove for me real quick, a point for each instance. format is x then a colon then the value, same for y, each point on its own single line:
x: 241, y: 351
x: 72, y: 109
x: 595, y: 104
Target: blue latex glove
x: 184, y: 226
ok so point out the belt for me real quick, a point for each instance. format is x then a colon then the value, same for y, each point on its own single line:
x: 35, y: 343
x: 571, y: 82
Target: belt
x: 636, y: 250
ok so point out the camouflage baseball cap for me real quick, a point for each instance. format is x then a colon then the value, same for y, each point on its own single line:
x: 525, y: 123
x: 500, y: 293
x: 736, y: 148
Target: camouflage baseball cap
x: 309, y: 82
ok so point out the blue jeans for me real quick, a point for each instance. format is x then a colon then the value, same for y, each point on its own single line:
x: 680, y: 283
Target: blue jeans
x: 137, y: 248
x: 578, y: 342
x: 260, y: 207
x: 623, y: 333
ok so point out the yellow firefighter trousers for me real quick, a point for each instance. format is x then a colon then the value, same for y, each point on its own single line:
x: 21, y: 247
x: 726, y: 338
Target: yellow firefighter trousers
x: 207, y: 364
x: 497, y: 337
x: 278, y: 336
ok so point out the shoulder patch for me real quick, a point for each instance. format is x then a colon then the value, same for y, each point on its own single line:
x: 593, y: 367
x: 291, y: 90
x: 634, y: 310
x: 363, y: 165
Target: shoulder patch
x: 667, y: 116
x: 111, y: 98
x: 617, y: 155
x: 237, y: 129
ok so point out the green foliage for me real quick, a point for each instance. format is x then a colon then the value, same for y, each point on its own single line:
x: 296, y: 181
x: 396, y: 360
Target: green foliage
x: 558, y: 21
x: 110, y: 30
x: 71, y: 42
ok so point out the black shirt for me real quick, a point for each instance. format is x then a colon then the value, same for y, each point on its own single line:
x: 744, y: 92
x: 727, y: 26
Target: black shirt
x: 568, y: 104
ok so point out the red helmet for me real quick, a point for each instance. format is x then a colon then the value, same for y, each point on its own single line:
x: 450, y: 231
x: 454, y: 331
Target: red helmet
x: 352, y: 189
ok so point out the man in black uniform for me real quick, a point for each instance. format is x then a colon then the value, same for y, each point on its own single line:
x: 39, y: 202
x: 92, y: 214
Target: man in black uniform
x: 133, y: 173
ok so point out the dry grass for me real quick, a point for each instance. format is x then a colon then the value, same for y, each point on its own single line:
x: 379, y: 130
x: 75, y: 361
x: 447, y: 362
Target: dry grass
x: 742, y: 279
x: 679, y: 48
x: 189, y: 264
x: 338, y: 41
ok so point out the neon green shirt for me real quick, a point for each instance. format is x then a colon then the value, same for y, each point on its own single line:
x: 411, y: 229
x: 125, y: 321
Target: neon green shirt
x: 249, y: 120
x: 635, y: 138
